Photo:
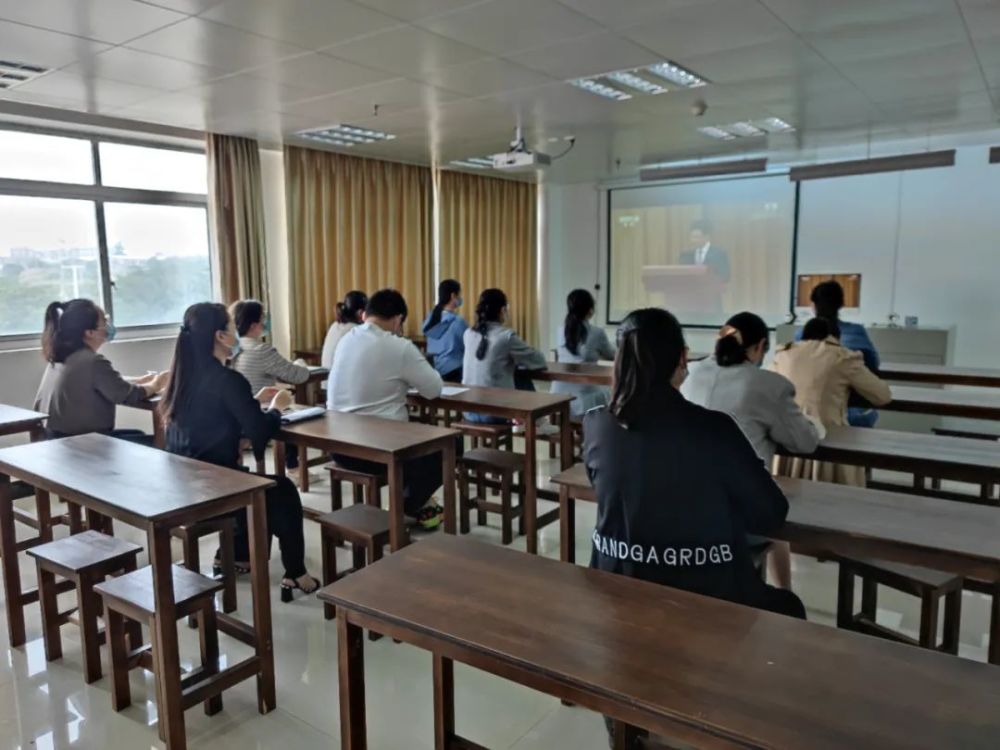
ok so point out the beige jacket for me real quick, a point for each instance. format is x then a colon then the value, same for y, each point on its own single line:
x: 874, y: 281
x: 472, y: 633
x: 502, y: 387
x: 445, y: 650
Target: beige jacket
x: 824, y: 373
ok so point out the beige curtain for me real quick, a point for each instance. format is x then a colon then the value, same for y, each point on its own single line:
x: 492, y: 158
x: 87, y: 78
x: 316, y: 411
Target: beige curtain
x: 355, y: 224
x: 237, y: 216
x: 487, y: 239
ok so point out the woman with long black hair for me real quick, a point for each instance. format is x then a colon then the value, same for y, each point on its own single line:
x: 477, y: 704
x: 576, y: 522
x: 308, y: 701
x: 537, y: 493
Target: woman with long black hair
x: 208, y: 408
x: 350, y: 314
x: 444, y: 329
x: 579, y: 341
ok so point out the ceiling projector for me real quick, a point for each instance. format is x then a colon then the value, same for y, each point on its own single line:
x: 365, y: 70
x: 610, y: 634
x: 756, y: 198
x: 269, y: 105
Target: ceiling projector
x: 519, y: 157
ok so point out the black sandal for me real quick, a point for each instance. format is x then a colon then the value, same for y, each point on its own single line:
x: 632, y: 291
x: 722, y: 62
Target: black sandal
x: 290, y: 585
x: 241, y: 568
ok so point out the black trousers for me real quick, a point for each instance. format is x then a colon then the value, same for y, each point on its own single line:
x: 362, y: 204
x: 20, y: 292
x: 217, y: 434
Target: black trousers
x: 284, y: 521
x: 421, y: 478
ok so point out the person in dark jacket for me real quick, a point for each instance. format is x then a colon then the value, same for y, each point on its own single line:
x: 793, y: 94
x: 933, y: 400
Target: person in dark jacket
x: 209, y: 408
x: 678, y: 486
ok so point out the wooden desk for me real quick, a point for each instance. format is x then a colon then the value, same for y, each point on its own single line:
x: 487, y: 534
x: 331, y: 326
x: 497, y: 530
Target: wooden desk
x: 383, y: 441
x: 940, y: 374
x: 154, y: 491
x: 14, y: 420
x: 940, y: 456
x: 152, y: 405
x: 527, y: 406
x: 945, y: 403
x: 702, y: 671
x: 858, y: 522
x: 304, y: 390
x: 312, y: 356
x: 569, y: 372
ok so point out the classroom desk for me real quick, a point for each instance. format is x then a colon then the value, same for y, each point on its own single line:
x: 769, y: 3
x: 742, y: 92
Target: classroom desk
x: 570, y: 372
x: 702, y: 671
x: 858, y: 522
x: 946, y: 403
x: 14, y: 420
x: 938, y: 456
x: 154, y: 491
x: 383, y: 441
x: 940, y: 374
x: 159, y: 428
x: 528, y: 407
x: 304, y: 391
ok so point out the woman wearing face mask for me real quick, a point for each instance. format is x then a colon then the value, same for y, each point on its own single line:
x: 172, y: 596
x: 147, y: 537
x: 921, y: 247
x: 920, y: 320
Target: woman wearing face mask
x: 80, y: 388
x: 761, y: 402
x: 444, y: 329
x: 208, y: 408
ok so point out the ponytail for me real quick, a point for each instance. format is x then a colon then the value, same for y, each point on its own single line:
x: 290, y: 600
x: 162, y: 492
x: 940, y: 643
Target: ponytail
x: 446, y: 289
x: 741, y: 332
x: 65, y: 326
x: 193, y: 352
x: 579, y: 304
x: 491, y: 303
x: 349, y: 311
x: 650, y: 347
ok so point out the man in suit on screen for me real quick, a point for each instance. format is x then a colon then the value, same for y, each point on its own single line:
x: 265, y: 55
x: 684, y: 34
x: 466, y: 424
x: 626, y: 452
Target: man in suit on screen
x: 704, y: 253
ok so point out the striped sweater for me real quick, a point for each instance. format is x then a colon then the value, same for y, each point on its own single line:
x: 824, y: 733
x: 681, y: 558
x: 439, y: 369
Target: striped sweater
x: 262, y: 365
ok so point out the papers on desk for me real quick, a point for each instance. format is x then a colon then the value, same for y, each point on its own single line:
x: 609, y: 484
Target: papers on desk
x: 301, y: 415
x: 448, y: 390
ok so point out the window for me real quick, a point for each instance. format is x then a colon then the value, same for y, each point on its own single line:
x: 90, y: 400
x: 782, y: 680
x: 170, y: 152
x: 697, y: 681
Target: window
x: 124, y: 224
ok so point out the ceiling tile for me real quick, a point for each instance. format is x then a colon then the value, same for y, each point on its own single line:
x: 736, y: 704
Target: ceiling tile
x: 214, y: 45
x: 26, y: 44
x: 982, y: 18
x: 173, y: 109
x: 113, y: 21
x: 404, y: 50
x: 937, y: 70
x: 391, y: 97
x: 507, y: 26
x: 783, y: 58
x: 243, y: 92
x: 96, y: 94
x: 191, y: 7
x: 411, y: 10
x: 710, y: 26
x: 320, y: 73
x: 309, y: 24
x: 588, y: 55
x: 484, y: 77
x: 145, y: 69
x: 622, y: 13
x: 869, y: 41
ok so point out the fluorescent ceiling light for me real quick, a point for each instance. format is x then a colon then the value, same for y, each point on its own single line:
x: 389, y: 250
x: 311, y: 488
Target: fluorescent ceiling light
x: 705, y: 169
x: 601, y: 89
x: 743, y: 129
x: 713, y: 132
x: 345, y: 135
x: 774, y: 125
x: 904, y: 162
x: 14, y: 73
x: 468, y: 164
x: 676, y: 74
x: 637, y: 82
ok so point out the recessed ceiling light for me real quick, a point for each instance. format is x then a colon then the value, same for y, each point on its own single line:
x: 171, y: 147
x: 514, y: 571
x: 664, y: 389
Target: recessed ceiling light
x: 743, y: 129
x: 713, y: 132
x: 676, y: 74
x: 637, y: 82
x: 345, y: 135
x: 774, y: 125
x: 601, y: 89
x: 13, y: 73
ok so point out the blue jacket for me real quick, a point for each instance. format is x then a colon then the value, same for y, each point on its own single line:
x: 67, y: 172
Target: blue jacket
x: 444, y: 341
x: 853, y: 336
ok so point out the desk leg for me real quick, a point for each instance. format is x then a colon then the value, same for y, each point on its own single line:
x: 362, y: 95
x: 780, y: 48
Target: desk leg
x: 159, y: 432
x: 257, y: 531
x: 11, y: 566
x: 279, y: 458
x: 397, y: 530
x: 994, y: 650
x: 567, y: 526
x: 565, y: 438
x: 43, y: 512
x: 444, y: 702
x: 351, y: 668
x: 448, y: 479
x: 303, y: 469
x: 530, y: 485
x: 167, y: 656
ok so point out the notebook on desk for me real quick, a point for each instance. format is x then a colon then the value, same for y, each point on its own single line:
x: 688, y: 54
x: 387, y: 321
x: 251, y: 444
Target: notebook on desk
x: 301, y: 415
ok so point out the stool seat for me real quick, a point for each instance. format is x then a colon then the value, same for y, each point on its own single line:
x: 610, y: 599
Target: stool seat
x: 906, y: 577
x: 490, y: 435
x: 79, y: 552
x: 357, y: 523
x: 491, y: 458
x: 136, y: 588
x: 352, y: 475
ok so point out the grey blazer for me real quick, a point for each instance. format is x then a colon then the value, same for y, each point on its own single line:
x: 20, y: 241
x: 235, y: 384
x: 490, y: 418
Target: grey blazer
x: 761, y: 402
x: 506, y: 350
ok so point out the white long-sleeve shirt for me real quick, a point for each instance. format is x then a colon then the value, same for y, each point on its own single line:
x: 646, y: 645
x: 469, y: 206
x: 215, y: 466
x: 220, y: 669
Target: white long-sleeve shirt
x: 372, y: 372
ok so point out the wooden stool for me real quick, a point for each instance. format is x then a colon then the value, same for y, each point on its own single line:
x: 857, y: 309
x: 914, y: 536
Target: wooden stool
x: 366, y: 529
x: 85, y: 559
x: 190, y: 535
x: 489, y: 435
x: 365, y: 486
x: 474, y: 466
x: 130, y: 599
x: 930, y: 585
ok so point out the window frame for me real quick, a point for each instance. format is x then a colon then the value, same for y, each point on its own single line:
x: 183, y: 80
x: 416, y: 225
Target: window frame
x: 99, y: 195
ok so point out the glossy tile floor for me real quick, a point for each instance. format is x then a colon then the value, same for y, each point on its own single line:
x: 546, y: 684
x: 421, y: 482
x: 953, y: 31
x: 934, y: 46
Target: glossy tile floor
x: 46, y: 706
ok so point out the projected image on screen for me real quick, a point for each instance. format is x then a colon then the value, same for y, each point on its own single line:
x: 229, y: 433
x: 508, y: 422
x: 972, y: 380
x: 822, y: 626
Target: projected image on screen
x: 703, y: 250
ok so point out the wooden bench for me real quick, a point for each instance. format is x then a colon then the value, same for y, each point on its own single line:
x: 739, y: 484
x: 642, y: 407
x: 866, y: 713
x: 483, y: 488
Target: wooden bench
x: 473, y: 467
x: 85, y: 560
x: 697, y: 670
x: 366, y: 487
x: 131, y: 598
x: 489, y: 435
x: 191, y: 534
